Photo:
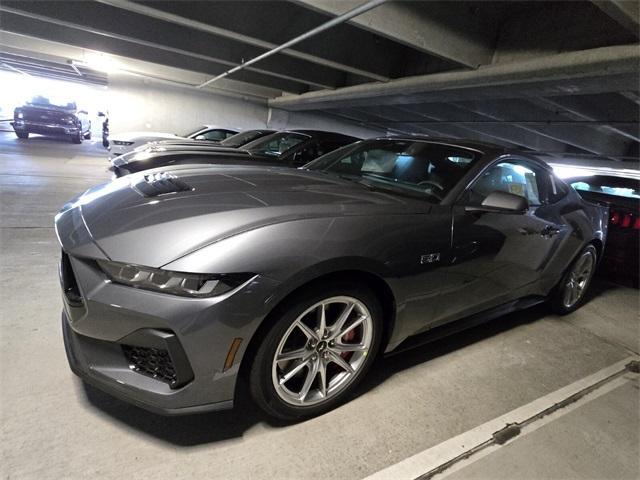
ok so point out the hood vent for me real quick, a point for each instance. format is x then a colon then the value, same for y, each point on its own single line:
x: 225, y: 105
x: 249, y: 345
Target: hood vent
x: 160, y: 184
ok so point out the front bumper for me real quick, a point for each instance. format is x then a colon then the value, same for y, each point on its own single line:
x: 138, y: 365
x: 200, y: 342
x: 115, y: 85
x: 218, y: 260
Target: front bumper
x: 109, y: 315
x: 44, y: 128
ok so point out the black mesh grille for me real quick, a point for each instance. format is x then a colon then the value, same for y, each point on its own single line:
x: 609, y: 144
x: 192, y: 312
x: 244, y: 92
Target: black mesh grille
x: 153, y: 362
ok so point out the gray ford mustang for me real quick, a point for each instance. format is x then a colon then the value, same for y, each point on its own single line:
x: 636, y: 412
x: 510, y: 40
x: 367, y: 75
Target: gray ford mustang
x: 178, y: 282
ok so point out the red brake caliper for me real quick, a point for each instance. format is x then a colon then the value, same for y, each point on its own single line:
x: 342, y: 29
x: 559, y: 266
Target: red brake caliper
x: 347, y: 338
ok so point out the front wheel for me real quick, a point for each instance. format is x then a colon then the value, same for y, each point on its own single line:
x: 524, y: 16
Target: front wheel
x: 318, y: 350
x: 22, y: 134
x: 77, y: 138
x: 570, y: 293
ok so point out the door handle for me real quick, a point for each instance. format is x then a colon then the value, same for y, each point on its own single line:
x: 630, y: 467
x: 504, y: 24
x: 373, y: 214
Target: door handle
x: 549, y: 231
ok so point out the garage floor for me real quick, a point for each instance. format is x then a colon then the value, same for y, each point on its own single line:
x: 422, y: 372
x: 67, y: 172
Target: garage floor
x: 453, y: 391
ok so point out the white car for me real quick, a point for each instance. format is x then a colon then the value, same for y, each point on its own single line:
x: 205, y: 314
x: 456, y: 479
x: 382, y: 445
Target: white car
x: 122, y: 143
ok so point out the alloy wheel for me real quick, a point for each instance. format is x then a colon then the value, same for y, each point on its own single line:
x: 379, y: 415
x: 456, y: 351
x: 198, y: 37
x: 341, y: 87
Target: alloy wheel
x: 322, y: 351
x: 578, y: 279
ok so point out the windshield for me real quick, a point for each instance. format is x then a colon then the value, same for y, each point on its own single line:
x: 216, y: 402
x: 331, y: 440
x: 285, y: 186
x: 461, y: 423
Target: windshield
x: 277, y: 143
x: 242, y: 138
x: 60, y: 102
x: 415, y: 167
x: 193, y: 132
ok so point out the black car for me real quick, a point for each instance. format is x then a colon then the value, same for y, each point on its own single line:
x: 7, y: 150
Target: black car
x: 49, y: 117
x: 292, y: 148
x: 235, y: 141
x: 621, y: 193
x: 179, y: 283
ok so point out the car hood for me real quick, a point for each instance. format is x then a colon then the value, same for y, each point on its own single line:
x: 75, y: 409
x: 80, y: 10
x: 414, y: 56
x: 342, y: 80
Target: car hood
x: 142, y: 136
x: 157, y: 216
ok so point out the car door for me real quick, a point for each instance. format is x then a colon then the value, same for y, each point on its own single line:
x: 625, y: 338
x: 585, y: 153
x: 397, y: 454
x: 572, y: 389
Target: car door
x: 499, y: 256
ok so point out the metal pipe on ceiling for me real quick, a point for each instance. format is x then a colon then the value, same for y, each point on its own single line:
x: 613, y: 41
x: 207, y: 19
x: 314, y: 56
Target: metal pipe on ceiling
x: 10, y: 67
x: 371, y: 4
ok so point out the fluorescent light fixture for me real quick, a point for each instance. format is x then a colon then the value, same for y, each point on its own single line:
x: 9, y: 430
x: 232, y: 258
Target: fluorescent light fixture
x: 99, y: 61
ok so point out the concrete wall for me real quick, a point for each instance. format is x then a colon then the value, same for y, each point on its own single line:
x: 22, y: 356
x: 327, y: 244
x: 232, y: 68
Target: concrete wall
x: 137, y: 104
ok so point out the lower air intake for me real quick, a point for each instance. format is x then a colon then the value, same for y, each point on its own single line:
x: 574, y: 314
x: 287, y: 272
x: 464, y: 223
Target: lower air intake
x: 153, y: 362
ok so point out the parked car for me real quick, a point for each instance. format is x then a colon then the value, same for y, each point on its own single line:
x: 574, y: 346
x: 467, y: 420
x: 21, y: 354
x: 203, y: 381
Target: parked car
x: 178, y: 282
x: 51, y: 117
x: 234, y: 141
x: 289, y: 149
x: 620, y: 192
x: 125, y: 142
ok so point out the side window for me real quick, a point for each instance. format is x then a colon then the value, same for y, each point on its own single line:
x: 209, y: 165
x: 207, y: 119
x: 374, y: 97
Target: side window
x: 328, y: 146
x: 213, y: 135
x: 308, y: 153
x: 511, y: 177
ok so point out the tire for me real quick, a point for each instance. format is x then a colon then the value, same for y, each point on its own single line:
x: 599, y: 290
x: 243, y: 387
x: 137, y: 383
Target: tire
x: 77, y: 138
x: 313, y: 356
x: 87, y: 136
x: 22, y: 134
x: 570, y: 293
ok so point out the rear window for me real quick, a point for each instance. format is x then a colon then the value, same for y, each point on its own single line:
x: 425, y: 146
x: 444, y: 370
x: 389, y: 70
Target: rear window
x: 615, y: 186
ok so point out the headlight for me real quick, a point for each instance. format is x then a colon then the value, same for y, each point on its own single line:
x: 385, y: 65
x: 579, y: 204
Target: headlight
x: 176, y: 283
x: 20, y: 115
x: 120, y: 142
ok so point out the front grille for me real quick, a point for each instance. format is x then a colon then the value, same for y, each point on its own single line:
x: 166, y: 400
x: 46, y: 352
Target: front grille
x: 153, y: 362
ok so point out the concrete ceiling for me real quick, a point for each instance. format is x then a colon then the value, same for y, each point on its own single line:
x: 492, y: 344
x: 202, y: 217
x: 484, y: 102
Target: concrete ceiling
x: 554, y: 77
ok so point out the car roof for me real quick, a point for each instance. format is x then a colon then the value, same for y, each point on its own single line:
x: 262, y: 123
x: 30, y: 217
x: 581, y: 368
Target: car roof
x: 322, y: 133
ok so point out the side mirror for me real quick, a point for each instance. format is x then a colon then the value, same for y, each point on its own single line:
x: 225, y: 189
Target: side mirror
x: 200, y: 137
x: 502, y: 202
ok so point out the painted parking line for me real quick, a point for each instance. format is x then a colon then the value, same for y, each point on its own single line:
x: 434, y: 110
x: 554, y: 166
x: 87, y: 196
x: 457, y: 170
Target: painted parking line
x: 440, y: 460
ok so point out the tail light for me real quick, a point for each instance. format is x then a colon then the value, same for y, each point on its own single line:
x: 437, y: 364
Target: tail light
x: 624, y: 219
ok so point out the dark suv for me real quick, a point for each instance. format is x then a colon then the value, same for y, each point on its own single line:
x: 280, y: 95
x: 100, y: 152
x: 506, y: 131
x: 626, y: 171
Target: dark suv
x: 47, y: 117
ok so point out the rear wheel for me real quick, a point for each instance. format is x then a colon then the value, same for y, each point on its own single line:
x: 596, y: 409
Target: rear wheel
x: 22, y: 134
x: 570, y: 293
x: 317, y: 351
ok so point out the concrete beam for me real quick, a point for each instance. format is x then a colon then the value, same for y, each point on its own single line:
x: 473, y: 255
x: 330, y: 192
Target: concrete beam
x: 172, y: 39
x: 249, y: 40
x: 625, y: 12
x: 584, y: 138
x: 123, y: 46
x: 503, y: 133
x: 424, y: 26
x: 606, y: 69
x: 48, y: 50
x: 581, y: 109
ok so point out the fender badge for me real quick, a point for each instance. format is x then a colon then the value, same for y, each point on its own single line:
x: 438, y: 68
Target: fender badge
x: 430, y: 258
